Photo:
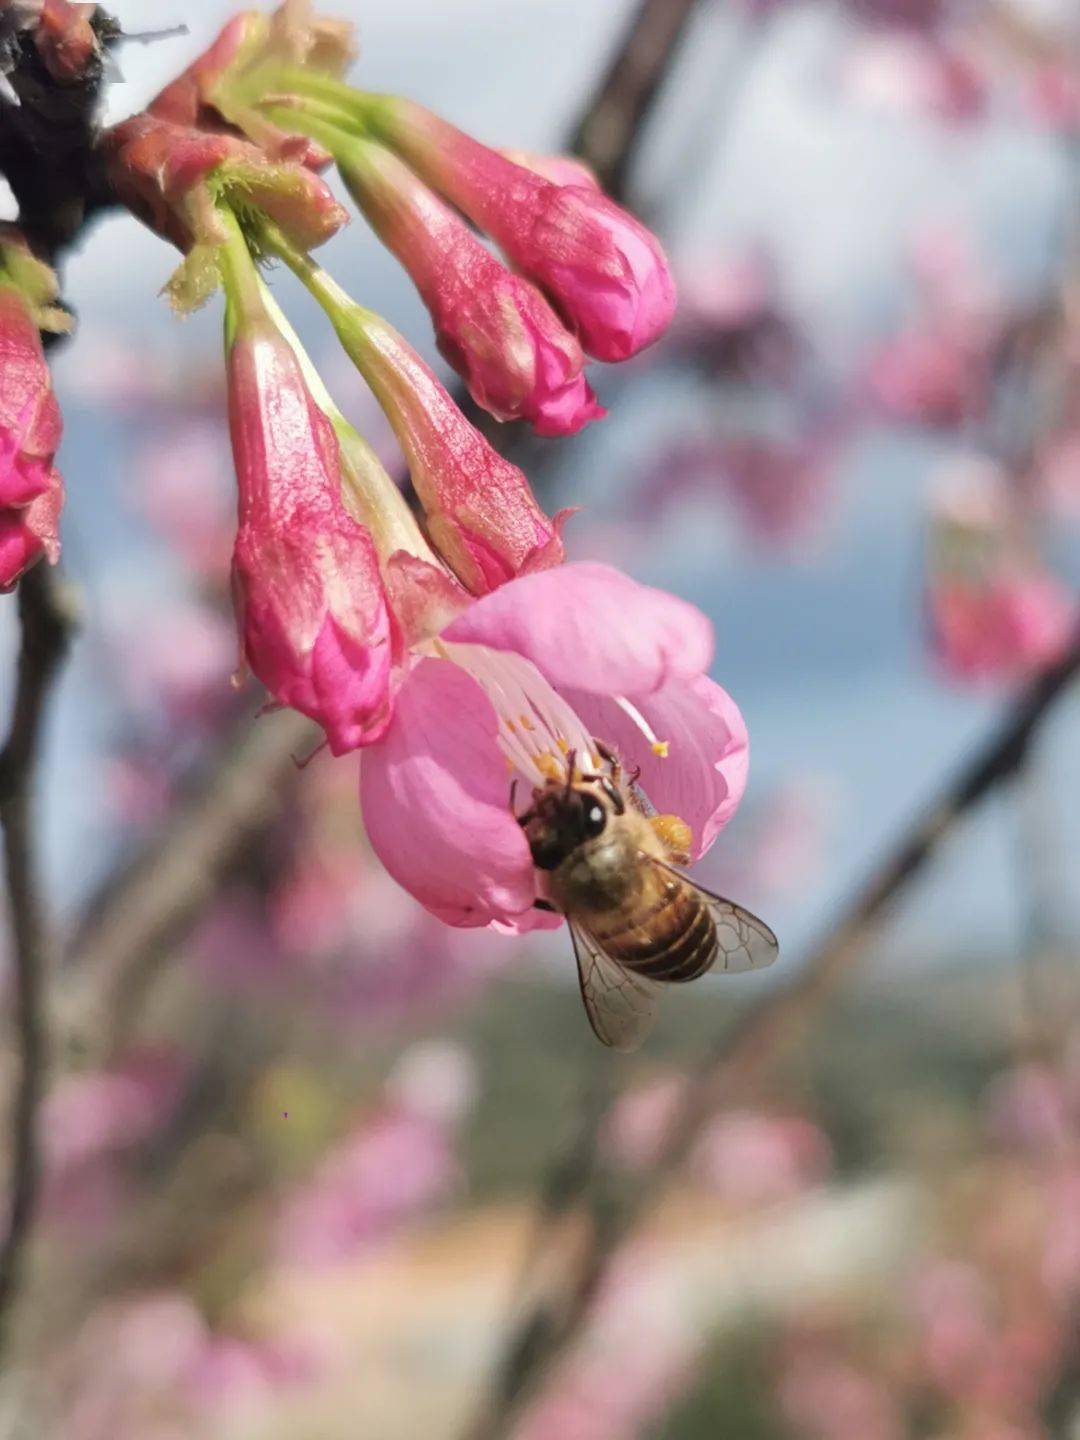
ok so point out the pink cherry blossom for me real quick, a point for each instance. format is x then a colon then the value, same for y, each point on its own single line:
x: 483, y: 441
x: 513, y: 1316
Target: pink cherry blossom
x: 603, y: 270
x: 310, y: 604
x: 494, y: 328
x: 531, y: 672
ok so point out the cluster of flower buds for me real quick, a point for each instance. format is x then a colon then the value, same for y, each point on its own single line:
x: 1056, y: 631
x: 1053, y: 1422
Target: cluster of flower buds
x: 31, y: 490
x: 586, y: 277
x: 457, y: 651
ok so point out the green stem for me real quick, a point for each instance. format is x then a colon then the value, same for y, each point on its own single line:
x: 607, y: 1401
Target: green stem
x: 244, y: 290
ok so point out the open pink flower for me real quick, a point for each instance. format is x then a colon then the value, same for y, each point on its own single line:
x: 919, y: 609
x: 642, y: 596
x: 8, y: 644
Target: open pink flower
x: 313, y: 616
x: 604, y: 271
x: 493, y: 327
x: 530, y: 672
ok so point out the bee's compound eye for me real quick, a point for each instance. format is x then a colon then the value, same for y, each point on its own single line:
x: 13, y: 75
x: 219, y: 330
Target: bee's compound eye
x: 595, y: 820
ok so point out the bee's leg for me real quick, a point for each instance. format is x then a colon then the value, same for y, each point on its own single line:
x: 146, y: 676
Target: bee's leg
x: 675, y: 835
x: 610, y: 757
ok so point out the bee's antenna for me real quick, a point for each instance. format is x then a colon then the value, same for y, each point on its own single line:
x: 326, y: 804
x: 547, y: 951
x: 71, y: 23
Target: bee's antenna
x: 571, y: 760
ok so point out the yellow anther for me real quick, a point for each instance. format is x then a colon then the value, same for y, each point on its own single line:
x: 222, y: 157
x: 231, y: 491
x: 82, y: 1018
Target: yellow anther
x: 526, y: 723
x: 563, y: 746
x: 660, y: 748
x: 549, y: 767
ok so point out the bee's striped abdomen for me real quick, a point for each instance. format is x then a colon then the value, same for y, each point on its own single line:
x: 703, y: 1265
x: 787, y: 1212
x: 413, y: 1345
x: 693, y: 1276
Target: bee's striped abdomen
x: 674, y: 940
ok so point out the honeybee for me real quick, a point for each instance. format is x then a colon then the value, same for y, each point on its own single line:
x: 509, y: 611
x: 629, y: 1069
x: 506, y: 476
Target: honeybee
x: 638, y: 923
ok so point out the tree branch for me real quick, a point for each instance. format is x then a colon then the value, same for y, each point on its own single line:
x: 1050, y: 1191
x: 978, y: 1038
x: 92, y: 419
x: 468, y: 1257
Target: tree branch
x: 764, y: 1031
x: 46, y: 626
x: 609, y: 132
x: 150, y: 905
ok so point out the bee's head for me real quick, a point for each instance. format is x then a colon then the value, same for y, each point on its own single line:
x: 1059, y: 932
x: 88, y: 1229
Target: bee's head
x: 565, y: 815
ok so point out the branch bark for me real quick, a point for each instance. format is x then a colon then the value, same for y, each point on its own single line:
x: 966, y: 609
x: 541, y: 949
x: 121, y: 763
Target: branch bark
x: 46, y: 626
x: 609, y: 132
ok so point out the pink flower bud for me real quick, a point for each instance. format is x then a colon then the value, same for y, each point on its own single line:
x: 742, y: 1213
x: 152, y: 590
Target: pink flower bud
x: 313, y: 616
x: 482, y: 516
x: 28, y: 534
x: 605, y: 272
x: 30, y: 423
x: 209, y: 93
x: 493, y: 327
x: 31, y: 491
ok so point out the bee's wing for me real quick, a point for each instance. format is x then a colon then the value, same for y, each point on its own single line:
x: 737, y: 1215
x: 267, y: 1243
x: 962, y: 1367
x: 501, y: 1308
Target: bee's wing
x: 743, y: 941
x: 621, y: 1007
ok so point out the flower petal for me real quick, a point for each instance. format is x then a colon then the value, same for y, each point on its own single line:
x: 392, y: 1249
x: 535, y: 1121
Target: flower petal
x: 435, y: 795
x: 703, y: 776
x: 593, y: 628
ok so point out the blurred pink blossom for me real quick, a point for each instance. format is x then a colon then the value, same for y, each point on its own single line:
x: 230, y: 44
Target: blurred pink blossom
x: 86, y: 1115
x: 937, y: 370
x: 1051, y: 97
x: 1057, y: 477
x: 785, y: 837
x: 931, y: 374
x: 825, y: 1395
x: 148, y: 1367
x: 183, y: 485
x: 746, y: 1157
x: 1000, y: 629
x: 232, y: 1374
x: 1028, y: 1108
x: 915, y: 74
x: 641, y: 1353
x: 138, y: 789
x: 778, y: 487
x: 993, y: 613
x: 395, y: 1167
x: 179, y: 660
x: 1061, y: 1254
x: 731, y: 318
x: 749, y: 1158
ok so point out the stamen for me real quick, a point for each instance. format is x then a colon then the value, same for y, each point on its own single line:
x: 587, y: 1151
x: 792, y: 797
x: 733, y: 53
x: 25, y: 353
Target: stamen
x: 537, y: 729
x: 659, y: 747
